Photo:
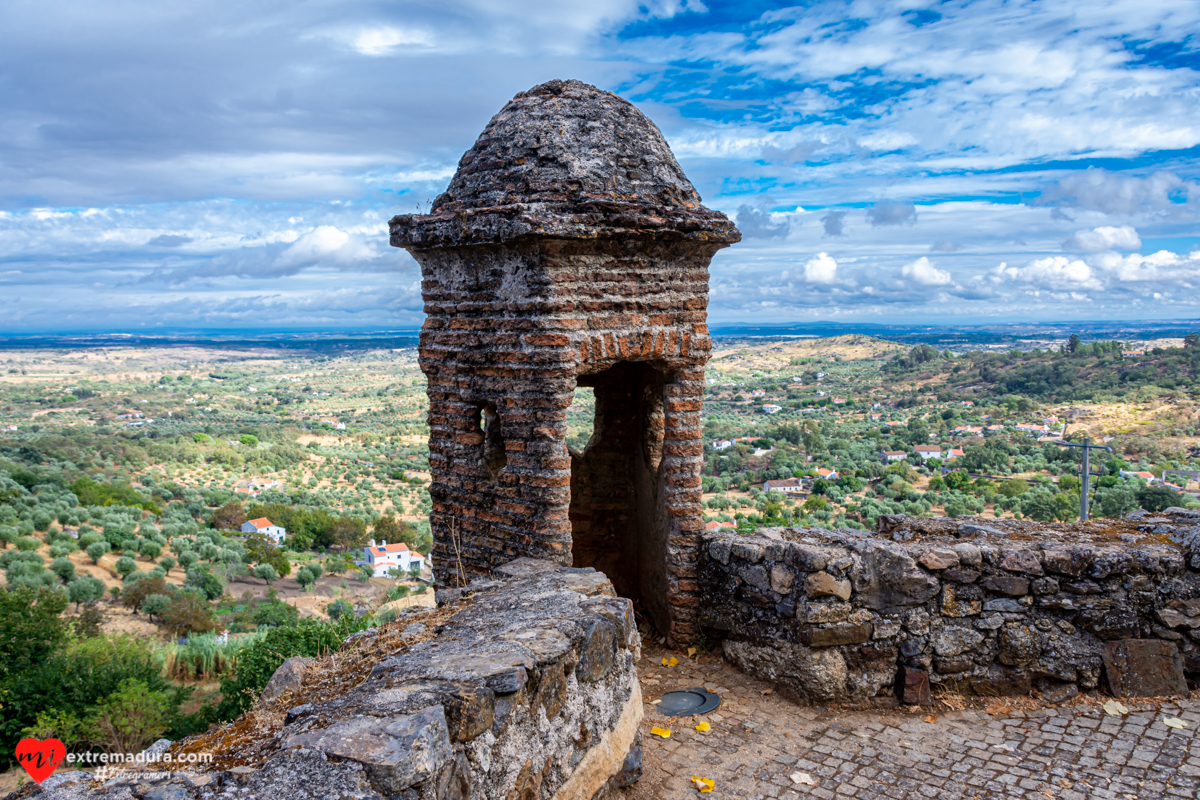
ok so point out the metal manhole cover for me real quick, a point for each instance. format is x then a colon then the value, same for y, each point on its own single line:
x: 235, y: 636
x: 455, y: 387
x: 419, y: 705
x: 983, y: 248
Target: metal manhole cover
x: 686, y: 702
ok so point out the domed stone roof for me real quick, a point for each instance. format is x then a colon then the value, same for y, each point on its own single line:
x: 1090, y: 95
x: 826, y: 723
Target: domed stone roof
x: 567, y: 160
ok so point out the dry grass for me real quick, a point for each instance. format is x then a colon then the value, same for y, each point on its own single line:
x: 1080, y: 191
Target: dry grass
x: 251, y: 739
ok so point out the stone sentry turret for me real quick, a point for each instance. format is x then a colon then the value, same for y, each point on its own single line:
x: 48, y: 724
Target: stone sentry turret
x: 569, y: 250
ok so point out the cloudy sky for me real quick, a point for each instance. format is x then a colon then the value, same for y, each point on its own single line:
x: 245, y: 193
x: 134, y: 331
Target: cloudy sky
x: 232, y: 165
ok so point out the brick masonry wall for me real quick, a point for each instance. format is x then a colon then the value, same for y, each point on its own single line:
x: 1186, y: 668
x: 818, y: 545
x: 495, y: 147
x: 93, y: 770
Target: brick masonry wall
x: 979, y: 606
x: 569, y: 250
x: 512, y: 330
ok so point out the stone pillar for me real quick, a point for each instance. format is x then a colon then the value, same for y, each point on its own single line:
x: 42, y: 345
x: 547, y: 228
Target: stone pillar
x: 569, y: 250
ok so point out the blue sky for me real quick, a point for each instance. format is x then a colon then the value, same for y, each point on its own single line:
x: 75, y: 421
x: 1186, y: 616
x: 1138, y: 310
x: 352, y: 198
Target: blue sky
x: 221, y: 165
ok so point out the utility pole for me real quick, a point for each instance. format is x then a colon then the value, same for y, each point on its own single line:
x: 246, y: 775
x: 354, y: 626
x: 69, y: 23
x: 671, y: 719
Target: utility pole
x: 1086, y: 472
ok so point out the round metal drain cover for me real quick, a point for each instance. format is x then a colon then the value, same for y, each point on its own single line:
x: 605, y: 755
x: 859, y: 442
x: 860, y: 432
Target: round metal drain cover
x: 686, y: 702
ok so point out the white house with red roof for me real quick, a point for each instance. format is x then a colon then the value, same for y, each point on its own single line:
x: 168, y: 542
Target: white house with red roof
x: 267, y: 528
x: 384, y: 557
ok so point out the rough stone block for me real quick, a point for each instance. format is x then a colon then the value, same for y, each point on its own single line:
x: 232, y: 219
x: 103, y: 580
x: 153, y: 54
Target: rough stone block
x: 956, y: 602
x: 835, y: 635
x: 1143, y: 668
x: 912, y: 687
x: 822, y: 584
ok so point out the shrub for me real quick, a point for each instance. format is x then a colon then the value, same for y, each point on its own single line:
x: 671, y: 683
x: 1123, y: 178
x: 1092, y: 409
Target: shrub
x: 131, y: 718
x: 275, y: 614
x: 258, y: 662
x: 338, y: 609
x: 27, y: 544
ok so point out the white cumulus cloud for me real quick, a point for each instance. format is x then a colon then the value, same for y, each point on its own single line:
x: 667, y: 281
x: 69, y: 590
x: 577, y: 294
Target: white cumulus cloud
x: 821, y: 268
x: 1055, y: 272
x: 923, y: 271
x: 1104, y: 238
x: 1161, y: 266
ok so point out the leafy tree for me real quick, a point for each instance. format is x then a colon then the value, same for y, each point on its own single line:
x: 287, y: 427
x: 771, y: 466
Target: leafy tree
x: 155, y: 604
x: 8, y: 535
x: 85, y: 590
x: 167, y: 563
x: 957, y: 480
x: 266, y: 572
x: 135, y: 593
x: 304, y: 577
x: 248, y: 439
x: 31, y: 628
x: 125, y: 565
x: 205, y: 581
x: 275, y: 614
x: 1157, y: 497
x: 64, y: 568
x: 1192, y: 341
x: 187, y: 558
x: 96, y: 551
x: 189, y: 612
x: 229, y: 517
x: 1014, y: 487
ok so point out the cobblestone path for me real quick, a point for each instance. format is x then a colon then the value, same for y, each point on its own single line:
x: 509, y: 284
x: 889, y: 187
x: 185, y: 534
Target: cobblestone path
x: 758, y: 741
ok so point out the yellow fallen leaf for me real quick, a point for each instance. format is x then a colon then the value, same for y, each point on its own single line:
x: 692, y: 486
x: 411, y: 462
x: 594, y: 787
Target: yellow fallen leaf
x: 803, y: 779
x: 673, y: 662
x: 704, y: 727
x: 691, y: 652
x: 705, y: 785
x: 998, y: 708
x: 662, y: 733
x: 1174, y: 722
x: 932, y: 718
x: 664, y: 662
x: 1115, y: 709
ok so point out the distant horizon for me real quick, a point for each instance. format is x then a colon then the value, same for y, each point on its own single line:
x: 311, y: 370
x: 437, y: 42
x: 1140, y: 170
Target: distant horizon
x: 1085, y: 326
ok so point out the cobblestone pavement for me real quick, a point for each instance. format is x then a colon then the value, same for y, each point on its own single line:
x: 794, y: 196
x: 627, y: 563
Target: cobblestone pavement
x: 758, y: 741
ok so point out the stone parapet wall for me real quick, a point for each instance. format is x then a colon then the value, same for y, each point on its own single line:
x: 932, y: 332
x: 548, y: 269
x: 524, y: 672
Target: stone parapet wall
x: 976, y: 606
x: 519, y: 688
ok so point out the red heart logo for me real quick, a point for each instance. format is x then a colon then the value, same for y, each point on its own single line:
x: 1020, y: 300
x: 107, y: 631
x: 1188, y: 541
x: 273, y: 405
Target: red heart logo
x: 40, y: 758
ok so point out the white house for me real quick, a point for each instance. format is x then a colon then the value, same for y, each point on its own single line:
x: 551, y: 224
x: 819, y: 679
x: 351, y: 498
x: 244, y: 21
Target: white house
x: 888, y: 456
x: 771, y: 409
x: 787, y: 486
x: 266, y: 528
x: 384, y: 557
x: 1148, y: 477
x: 724, y: 444
x: 929, y: 450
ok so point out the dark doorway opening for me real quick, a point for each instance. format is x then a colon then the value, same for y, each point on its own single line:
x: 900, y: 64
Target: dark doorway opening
x: 619, y: 523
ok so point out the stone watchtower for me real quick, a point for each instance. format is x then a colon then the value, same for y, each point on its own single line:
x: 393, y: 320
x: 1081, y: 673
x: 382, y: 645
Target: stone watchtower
x: 569, y: 250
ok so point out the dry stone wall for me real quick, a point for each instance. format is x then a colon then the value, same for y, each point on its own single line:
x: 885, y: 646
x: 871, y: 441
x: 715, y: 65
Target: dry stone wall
x: 569, y: 250
x: 977, y: 606
x: 521, y: 688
